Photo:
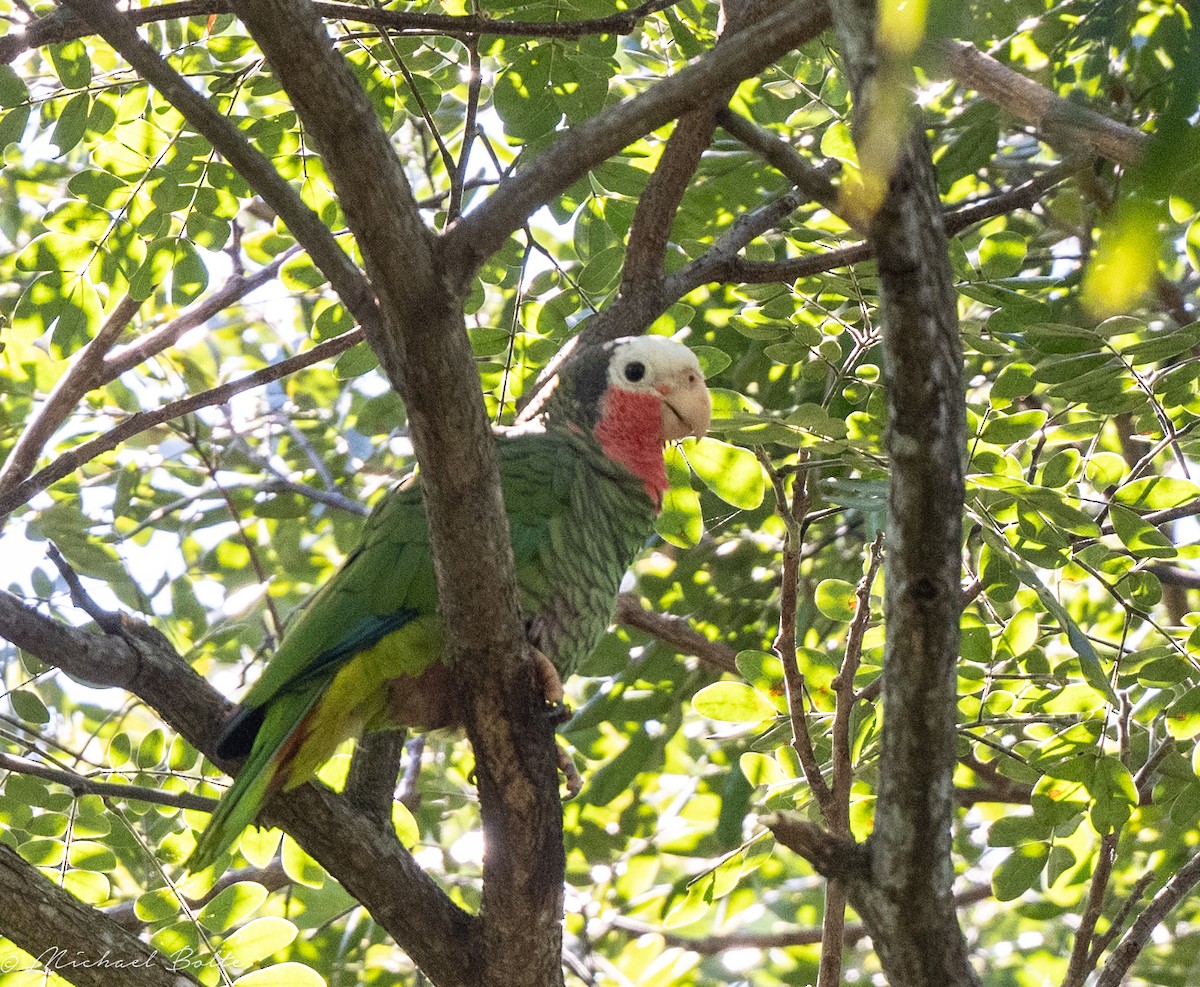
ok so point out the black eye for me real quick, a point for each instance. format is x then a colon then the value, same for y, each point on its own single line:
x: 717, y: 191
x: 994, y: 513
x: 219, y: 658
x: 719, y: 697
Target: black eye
x: 635, y: 370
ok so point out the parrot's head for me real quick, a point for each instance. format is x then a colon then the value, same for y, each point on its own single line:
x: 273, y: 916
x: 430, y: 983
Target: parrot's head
x: 634, y: 395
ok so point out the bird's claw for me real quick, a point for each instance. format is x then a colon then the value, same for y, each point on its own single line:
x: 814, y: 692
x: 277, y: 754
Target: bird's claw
x: 571, y: 775
x: 557, y: 712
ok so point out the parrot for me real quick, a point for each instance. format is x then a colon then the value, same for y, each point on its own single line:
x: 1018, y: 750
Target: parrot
x: 582, y: 486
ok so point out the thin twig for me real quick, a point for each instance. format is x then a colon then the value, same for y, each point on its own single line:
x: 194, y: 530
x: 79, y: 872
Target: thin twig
x: 141, y: 421
x: 837, y: 813
x: 1078, y: 968
x: 793, y: 516
x: 1135, y: 939
x: 470, y: 127
x: 676, y: 632
x: 106, y: 620
x: 81, y: 785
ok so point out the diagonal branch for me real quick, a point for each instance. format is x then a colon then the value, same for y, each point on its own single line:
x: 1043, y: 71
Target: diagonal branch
x: 83, y: 375
x: 98, y: 364
x: 367, y: 860
x: 72, y: 939
x: 140, y: 421
x: 1061, y: 123
x: 1181, y: 884
x: 743, y: 55
x: 675, y: 632
x: 305, y: 225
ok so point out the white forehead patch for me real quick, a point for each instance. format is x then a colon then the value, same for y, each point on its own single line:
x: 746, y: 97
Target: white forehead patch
x: 643, y: 362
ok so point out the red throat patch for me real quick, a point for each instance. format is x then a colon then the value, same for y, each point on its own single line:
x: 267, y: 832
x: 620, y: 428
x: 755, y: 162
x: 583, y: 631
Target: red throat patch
x: 630, y: 433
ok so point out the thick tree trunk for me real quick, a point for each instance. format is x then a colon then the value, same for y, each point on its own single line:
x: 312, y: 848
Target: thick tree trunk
x: 907, y: 902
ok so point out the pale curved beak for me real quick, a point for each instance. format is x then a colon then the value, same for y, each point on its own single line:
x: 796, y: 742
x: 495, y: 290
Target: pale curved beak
x: 686, y: 407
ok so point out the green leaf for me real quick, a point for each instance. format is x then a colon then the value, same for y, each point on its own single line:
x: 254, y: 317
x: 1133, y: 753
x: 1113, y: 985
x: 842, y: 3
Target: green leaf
x: 282, y: 975
x: 90, y: 855
x: 13, y: 90
x: 156, y: 906
x: 712, y: 360
x: 72, y: 121
x: 1140, y: 538
x: 1158, y: 493
x: 1020, y: 871
x: 257, y: 940
x: 28, y: 705
x: 733, y: 702
x: 13, y: 124
x: 1062, y: 859
x: 299, y: 866
x: 734, y: 474
x: 355, y: 362
x: 71, y: 63
x: 679, y: 521
x: 43, y: 853
x: 836, y: 599
x: 189, y: 275
x: 258, y: 845
x: 1015, y: 830
x: 1013, y: 382
x: 1002, y: 255
x: 1183, y: 716
x: 152, y: 749
x: 1115, y: 795
x: 1006, y: 429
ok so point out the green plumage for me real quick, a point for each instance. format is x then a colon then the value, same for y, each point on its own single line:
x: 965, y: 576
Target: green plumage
x: 366, y: 651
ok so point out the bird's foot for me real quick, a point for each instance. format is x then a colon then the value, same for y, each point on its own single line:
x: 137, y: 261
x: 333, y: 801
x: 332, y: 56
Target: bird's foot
x: 551, y: 685
x: 558, y: 712
x: 571, y: 775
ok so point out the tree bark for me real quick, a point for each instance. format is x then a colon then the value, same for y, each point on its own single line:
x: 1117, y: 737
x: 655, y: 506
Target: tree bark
x: 74, y: 940
x: 908, y: 903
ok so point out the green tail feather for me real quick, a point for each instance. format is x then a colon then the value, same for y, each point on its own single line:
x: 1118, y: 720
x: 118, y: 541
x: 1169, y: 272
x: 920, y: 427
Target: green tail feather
x: 240, y: 805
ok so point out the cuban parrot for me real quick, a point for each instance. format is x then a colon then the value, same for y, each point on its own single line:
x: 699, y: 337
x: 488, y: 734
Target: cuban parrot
x: 581, y: 488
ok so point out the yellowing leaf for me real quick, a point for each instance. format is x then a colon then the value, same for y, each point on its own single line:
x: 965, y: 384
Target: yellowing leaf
x: 282, y: 975
x: 734, y: 474
x: 733, y: 702
x: 257, y: 940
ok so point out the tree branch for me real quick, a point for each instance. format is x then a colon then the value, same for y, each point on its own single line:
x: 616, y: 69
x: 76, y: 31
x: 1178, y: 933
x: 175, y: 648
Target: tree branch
x: 305, y: 225
x: 1135, y: 939
x: 582, y: 147
x: 782, y: 157
x: 73, y: 940
x: 908, y: 904
x: 793, y: 513
x: 79, y: 785
x: 1061, y: 123
x: 140, y: 421
x: 422, y: 345
x: 830, y: 856
x: 80, y: 378
x: 1082, y: 961
x: 717, y: 943
x: 56, y: 27
x: 675, y: 632
x: 367, y: 860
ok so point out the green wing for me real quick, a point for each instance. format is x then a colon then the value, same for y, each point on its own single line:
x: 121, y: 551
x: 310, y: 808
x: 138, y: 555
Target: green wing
x: 380, y: 608
x: 386, y: 581
x: 376, y: 622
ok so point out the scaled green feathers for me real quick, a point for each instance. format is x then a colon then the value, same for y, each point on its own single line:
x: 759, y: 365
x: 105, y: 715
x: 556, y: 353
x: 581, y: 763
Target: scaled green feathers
x: 581, y: 495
